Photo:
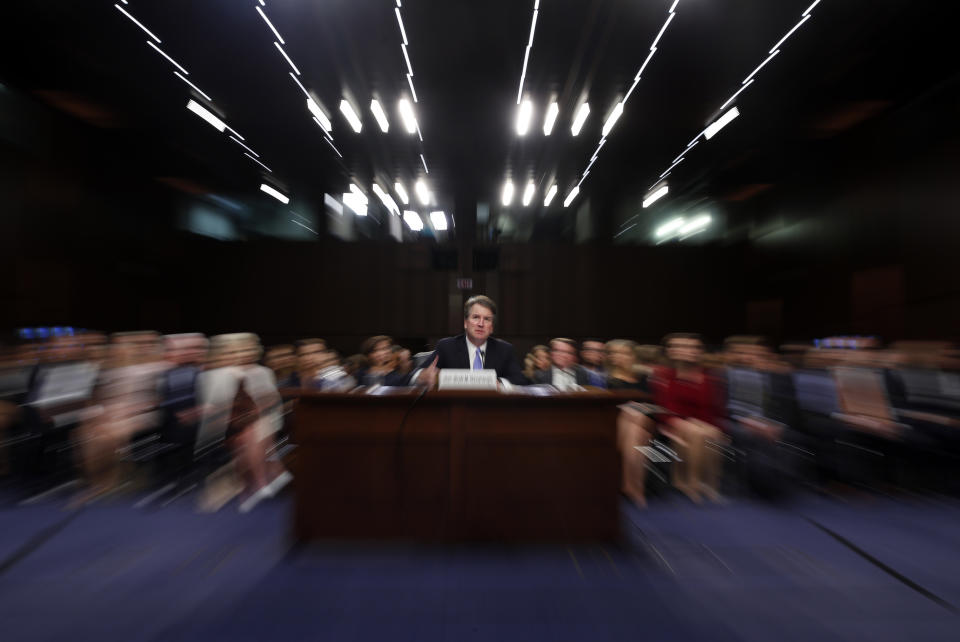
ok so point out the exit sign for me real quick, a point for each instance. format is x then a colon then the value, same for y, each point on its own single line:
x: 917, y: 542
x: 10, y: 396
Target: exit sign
x: 464, y: 284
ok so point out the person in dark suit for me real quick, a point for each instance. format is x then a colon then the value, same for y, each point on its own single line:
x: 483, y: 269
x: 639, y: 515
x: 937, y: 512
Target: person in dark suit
x: 475, y: 349
x: 564, y: 372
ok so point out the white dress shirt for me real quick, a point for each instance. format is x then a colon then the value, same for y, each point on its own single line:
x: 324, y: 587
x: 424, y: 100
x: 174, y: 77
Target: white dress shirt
x: 472, y: 353
x: 563, y: 379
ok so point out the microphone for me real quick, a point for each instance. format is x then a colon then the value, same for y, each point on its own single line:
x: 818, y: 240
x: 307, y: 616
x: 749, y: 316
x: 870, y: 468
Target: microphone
x: 483, y: 357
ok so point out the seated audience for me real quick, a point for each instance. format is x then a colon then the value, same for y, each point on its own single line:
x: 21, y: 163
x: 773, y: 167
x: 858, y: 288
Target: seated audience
x: 622, y: 371
x: 592, y: 353
x: 564, y: 372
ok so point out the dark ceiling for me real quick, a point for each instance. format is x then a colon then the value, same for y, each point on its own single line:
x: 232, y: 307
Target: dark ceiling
x: 850, y: 62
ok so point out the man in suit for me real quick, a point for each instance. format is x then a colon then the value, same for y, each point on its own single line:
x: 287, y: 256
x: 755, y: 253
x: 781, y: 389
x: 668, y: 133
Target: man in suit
x: 564, y: 373
x: 475, y: 349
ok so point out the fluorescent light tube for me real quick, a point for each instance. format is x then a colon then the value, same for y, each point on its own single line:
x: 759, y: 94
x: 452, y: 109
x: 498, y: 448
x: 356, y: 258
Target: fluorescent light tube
x: 181, y: 77
x: 274, y: 193
x: 523, y: 117
x: 720, y: 123
x: 656, y: 196
x: 351, y: 116
x: 528, y: 193
x: 379, y: 115
x: 550, y: 118
x: 580, y: 118
x: 401, y: 192
x: 206, y: 114
x: 175, y: 63
x: 612, y: 119
x: 422, y: 192
x: 284, y: 54
x: 406, y: 114
x: 136, y: 22
x: 550, y: 194
x: 507, y: 195
x: 412, y: 219
x: 270, y: 24
x: 314, y: 108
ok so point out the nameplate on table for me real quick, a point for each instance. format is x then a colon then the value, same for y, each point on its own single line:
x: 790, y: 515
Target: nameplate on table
x: 463, y: 379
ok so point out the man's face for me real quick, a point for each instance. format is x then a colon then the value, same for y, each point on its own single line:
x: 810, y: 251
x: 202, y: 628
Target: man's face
x: 479, y: 324
x: 562, y: 354
x: 685, y: 350
x: 591, y: 353
x: 280, y: 359
x: 308, y: 356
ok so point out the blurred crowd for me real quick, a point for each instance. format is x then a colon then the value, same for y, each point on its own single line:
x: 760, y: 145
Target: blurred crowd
x: 186, y: 411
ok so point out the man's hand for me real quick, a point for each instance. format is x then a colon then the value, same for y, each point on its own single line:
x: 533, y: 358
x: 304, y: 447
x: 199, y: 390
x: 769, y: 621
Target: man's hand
x: 428, y: 376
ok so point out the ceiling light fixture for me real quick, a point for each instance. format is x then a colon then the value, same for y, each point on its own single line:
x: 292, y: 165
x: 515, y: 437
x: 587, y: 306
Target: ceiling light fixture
x: 670, y: 227
x: 270, y: 24
x: 526, y: 53
x: 550, y: 194
x: 351, y: 116
x: 580, y: 118
x: 286, y: 57
x: 403, y: 32
x: 694, y: 226
x: 810, y: 8
x: 175, y: 63
x: 759, y: 67
x: 406, y: 57
x: 237, y: 141
x: 552, y: 110
x: 731, y: 98
x: 672, y: 166
x: 136, y: 22
x: 528, y: 193
x: 300, y: 85
x: 321, y: 117
x: 257, y: 162
x: 507, y: 195
x: 720, y: 123
x: 206, y: 114
x: 612, y: 119
x: 423, y: 193
x: 523, y: 117
x: 572, y: 195
x: 662, y: 29
x: 656, y: 196
x: 379, y: 115
x: 401, y: 192
x: 439, y: 220
x: 274, y: 193
x: 789, y: 33
x: 412, y: 219
x: 386, y: 199
x: 424, y: 161
x: 197, y: 89
x: 406, y: 114
x: 413, y: 91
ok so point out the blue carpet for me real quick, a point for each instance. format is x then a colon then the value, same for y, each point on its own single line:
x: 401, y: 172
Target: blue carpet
x: 747, y: 571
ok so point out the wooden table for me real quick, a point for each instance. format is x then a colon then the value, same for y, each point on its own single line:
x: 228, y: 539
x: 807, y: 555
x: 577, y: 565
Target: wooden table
x: 456, y: 465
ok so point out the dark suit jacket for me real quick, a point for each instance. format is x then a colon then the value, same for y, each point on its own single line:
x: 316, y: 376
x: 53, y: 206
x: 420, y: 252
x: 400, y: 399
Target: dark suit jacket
x: 546, y: 376
x: 452, y: 353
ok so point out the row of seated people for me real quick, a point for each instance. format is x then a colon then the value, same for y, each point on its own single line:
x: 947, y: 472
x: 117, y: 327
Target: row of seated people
x: 80, y: 402
x: 92, y: 406
x: 848, y: 416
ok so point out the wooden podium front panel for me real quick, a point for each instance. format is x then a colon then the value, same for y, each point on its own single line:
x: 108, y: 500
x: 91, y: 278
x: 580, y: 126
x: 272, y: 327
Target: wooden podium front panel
x: 459, y: 466
x: 542, y: 468
x: 358, y: 475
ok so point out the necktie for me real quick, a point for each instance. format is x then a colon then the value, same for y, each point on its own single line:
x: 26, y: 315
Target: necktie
x: 477, y: 361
